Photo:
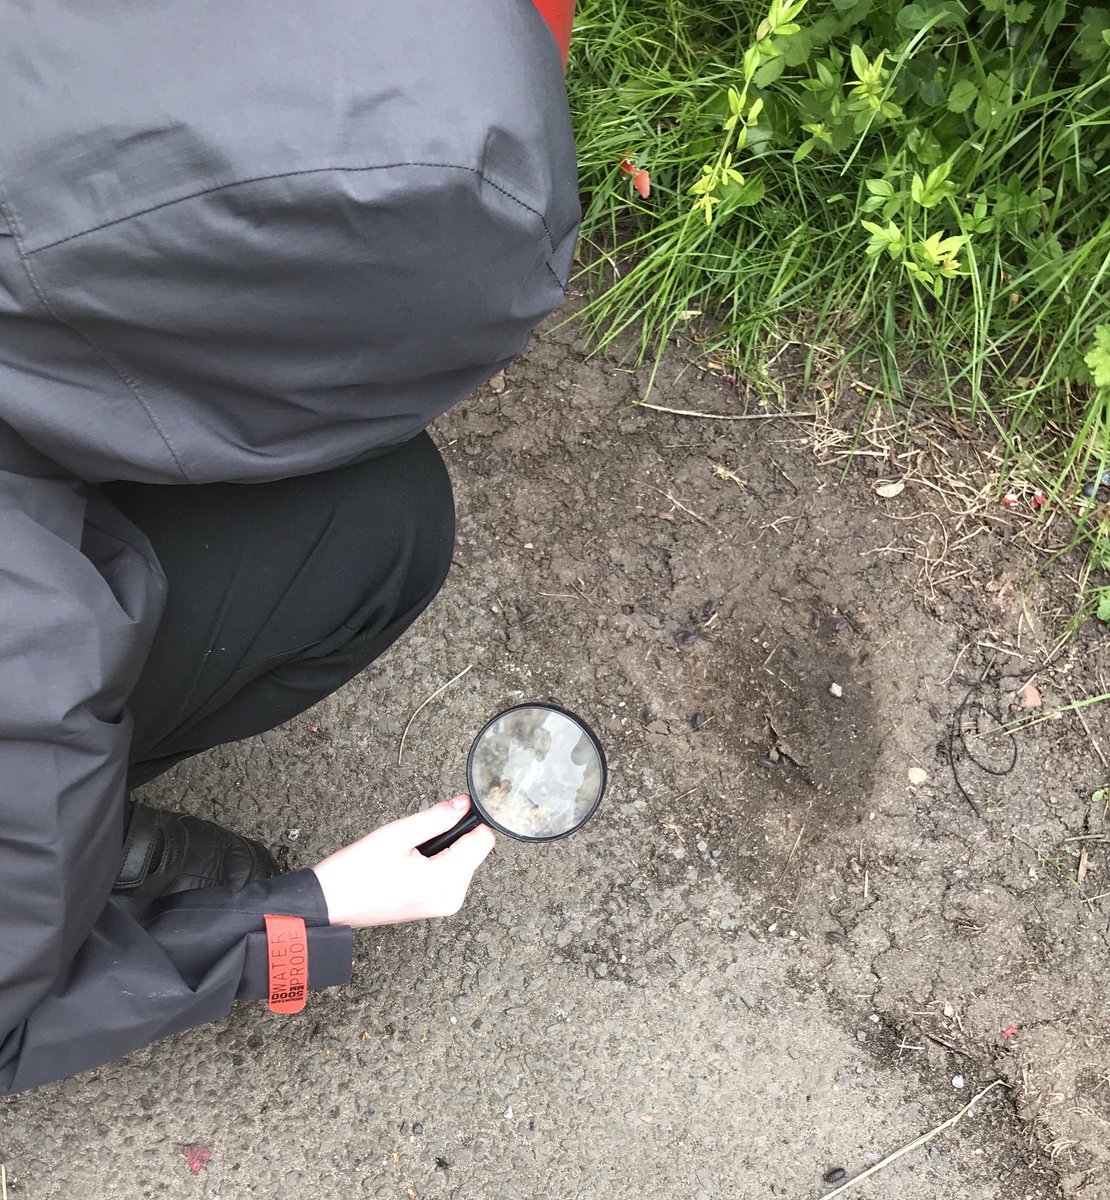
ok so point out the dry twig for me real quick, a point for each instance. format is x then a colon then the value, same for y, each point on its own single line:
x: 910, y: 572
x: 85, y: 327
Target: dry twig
x: 689, y: 412
x: 437, y: 692
x: 917, y: 1142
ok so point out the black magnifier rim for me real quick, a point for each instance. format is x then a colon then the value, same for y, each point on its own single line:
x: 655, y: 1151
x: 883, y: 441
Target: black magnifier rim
x: 550, y: 837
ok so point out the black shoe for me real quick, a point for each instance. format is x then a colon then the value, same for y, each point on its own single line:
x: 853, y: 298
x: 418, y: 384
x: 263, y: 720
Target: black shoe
x: 168, y: 852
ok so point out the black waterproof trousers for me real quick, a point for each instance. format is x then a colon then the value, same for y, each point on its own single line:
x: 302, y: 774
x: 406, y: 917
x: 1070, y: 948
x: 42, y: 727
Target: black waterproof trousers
x: 279, y: 593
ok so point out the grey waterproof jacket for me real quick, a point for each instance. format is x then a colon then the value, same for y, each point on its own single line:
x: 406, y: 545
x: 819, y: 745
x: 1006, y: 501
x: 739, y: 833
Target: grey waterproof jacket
x: 238, y: 241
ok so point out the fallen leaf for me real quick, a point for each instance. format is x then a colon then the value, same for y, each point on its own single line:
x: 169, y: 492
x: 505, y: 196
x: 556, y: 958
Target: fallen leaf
x: 641, y: 181
x: 889, y: 490
x: 497, y: 383
x: 1030, y: 697
x: 1084, y: 866
x: 196, y: 1157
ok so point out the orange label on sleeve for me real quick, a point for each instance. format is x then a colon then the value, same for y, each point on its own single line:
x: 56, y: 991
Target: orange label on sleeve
x: 287, y: 949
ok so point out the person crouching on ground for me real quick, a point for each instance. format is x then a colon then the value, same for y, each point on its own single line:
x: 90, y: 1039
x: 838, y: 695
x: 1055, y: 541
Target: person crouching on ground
x: 247, y: 254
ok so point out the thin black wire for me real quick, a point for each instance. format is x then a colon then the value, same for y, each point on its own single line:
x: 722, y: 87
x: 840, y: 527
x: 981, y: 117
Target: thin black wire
x: 957, y: 733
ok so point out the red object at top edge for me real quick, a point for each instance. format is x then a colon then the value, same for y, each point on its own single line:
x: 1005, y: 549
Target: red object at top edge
x: 559, y: 14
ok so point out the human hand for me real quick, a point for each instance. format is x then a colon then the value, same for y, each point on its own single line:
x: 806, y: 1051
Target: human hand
x: 383, y: 879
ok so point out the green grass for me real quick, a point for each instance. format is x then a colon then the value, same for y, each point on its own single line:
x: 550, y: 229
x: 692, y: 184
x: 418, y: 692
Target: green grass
x: 973, y: 137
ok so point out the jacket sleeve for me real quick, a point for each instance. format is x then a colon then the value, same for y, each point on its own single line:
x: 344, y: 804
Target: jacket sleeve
x: 86, y: 976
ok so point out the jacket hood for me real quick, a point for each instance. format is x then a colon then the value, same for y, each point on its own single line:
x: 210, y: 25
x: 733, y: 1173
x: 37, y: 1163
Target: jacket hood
x: 242, y: 241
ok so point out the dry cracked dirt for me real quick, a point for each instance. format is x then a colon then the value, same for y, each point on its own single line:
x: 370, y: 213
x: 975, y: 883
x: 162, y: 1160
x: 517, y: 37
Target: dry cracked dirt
x: 831, y: 896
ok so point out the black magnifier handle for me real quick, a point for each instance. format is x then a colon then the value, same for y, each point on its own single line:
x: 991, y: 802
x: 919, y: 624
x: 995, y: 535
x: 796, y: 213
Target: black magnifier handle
x: 441, y: 841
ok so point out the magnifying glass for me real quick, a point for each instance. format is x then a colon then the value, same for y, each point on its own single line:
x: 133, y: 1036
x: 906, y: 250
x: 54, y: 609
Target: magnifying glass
x: 535, y: 772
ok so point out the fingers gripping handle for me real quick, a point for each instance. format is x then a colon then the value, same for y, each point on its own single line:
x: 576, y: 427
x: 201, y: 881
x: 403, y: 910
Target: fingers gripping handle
x: 441, y: 841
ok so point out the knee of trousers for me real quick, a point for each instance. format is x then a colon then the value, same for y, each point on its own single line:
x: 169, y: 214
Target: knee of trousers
x: 431, y: 518
x: 407, y: 513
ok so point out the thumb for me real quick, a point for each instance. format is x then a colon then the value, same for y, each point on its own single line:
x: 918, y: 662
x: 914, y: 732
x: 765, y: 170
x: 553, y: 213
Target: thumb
x: 412, y: 831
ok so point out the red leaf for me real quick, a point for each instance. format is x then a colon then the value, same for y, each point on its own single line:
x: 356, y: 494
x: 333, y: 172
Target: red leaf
x: 641, y: 181
x: 196, y: 1157
x: 628, y: 166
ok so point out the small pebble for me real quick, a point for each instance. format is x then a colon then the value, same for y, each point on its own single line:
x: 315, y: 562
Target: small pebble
x: 836, y: 1175
x: 874, y: 1018
x: 292, y: 834
x: 861, y: 1036
x: 958, y: 1081
x: 697, y: 720
x: 418, y: 1129
x: 836, y: 690
x: 917, y: 776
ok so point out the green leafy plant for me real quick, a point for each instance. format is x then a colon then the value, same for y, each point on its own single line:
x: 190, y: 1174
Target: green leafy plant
x: 922, y: 185
x: 743, y: 112
x: 1097, y: 361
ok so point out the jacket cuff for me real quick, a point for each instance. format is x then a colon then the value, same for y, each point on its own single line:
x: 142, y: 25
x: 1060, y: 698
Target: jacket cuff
x: 330, y: 947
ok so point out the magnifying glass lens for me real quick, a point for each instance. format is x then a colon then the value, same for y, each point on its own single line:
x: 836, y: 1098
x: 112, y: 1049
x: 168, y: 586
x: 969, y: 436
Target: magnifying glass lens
x: 536, y: 772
